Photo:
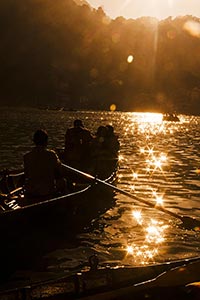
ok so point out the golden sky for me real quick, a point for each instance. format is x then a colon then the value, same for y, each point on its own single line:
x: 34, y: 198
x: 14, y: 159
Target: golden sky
x: 160, y: 9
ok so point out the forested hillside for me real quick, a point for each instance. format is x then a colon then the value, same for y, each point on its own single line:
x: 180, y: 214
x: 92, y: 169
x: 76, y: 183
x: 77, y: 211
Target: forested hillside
x: 61, y: 53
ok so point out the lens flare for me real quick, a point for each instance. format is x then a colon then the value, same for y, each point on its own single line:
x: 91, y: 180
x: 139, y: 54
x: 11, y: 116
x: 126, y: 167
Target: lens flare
x: 113, y: 107
x: 193, y: 28
x: 130, y: 59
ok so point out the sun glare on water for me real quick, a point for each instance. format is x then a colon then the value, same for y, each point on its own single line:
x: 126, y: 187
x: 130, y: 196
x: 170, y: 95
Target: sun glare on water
x: 145, y: 238
x: 148, y: 117
x: 152, y: 118
x: 154, y: 235
x: 155, y: 164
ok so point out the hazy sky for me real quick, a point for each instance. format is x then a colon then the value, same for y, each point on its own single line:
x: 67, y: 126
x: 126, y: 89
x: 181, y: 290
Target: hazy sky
x: 155, y: 8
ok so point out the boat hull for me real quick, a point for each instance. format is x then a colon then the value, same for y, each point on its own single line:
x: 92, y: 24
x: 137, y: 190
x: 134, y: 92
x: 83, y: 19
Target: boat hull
x: 30, y: 231
x: 159, y: 281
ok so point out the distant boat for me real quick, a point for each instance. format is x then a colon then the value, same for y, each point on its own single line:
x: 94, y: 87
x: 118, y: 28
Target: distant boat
x: 55, y: 108
x: 170, y: 117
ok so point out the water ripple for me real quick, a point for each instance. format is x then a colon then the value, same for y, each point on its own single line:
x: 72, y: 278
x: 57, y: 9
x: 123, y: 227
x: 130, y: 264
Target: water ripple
x: 157, y: 162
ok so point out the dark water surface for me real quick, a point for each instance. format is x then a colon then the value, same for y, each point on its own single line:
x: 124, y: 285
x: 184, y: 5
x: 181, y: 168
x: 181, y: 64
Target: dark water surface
x: 158, y: 161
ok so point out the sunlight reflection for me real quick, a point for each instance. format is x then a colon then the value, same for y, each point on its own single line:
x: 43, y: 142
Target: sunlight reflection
x: 142, y: 150
x: 154, y: 235
x: 155, y: 232
x: 154, y: 193
x: 129, y: 249
x: 157, y: 163
x: 147, y: 122
x: 138, y: 216
x: 159, y: 200
x: 146, y: 130
x: 151, y: 124
x: 135, y: 175
x: 142, y: 254
x: 151, y: 118
x: 150, y: 151
x: 163, y: 157
x: 154, y: 163
x: 120, y: 157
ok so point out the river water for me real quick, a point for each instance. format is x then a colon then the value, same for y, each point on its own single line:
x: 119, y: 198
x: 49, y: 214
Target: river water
x: 158, y: 161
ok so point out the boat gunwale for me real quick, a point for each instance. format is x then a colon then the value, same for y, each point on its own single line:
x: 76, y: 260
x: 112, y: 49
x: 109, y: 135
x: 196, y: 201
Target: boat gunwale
x: 78, y: 281
x: 51, y: 200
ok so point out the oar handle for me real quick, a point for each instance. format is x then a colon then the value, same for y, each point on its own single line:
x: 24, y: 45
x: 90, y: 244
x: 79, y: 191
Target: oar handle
x: 16, y: 190
x: 79, y: 172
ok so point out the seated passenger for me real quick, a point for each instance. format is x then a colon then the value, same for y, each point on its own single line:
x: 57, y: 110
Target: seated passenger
x: 98, y: 147
x: 77, y: 145
x: 104, y: 152
x: 112, y: 142
x: 106, y: 144
x: 42, y: 169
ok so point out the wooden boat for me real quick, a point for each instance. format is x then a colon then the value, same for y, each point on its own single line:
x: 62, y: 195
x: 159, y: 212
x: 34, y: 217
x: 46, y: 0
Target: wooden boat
x: 34, y: 228
x: 170, y: 117
x: 158, y: 281
x: 171, y: 280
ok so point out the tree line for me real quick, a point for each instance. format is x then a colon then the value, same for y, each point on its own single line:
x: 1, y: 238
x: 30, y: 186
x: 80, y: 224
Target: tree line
x: 60, y: 53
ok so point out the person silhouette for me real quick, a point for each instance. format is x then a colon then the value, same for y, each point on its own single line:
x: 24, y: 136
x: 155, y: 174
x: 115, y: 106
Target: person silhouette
x: 42, y: 169
x: 77, y: 145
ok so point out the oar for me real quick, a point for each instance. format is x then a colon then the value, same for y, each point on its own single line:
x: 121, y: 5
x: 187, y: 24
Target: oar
x: 187, y: 222
x: 19, y: 189
x: 6, y: 201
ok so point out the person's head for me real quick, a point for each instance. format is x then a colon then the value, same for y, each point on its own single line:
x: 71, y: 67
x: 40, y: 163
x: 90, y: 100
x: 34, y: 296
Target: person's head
x: 78, y: 123
x: 110, y: 129
x: 101, y: 131
x: 40, y: 137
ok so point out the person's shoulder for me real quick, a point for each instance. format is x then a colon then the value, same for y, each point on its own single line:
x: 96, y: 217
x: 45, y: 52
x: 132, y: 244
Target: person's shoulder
x: 71, y: 129
x: 87, y: 131
x: 51, y: 152
x: 53, y: 155
x: 28, y: 154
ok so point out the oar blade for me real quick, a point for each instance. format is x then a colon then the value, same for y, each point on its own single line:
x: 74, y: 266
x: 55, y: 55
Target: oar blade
x: 190, y: 223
